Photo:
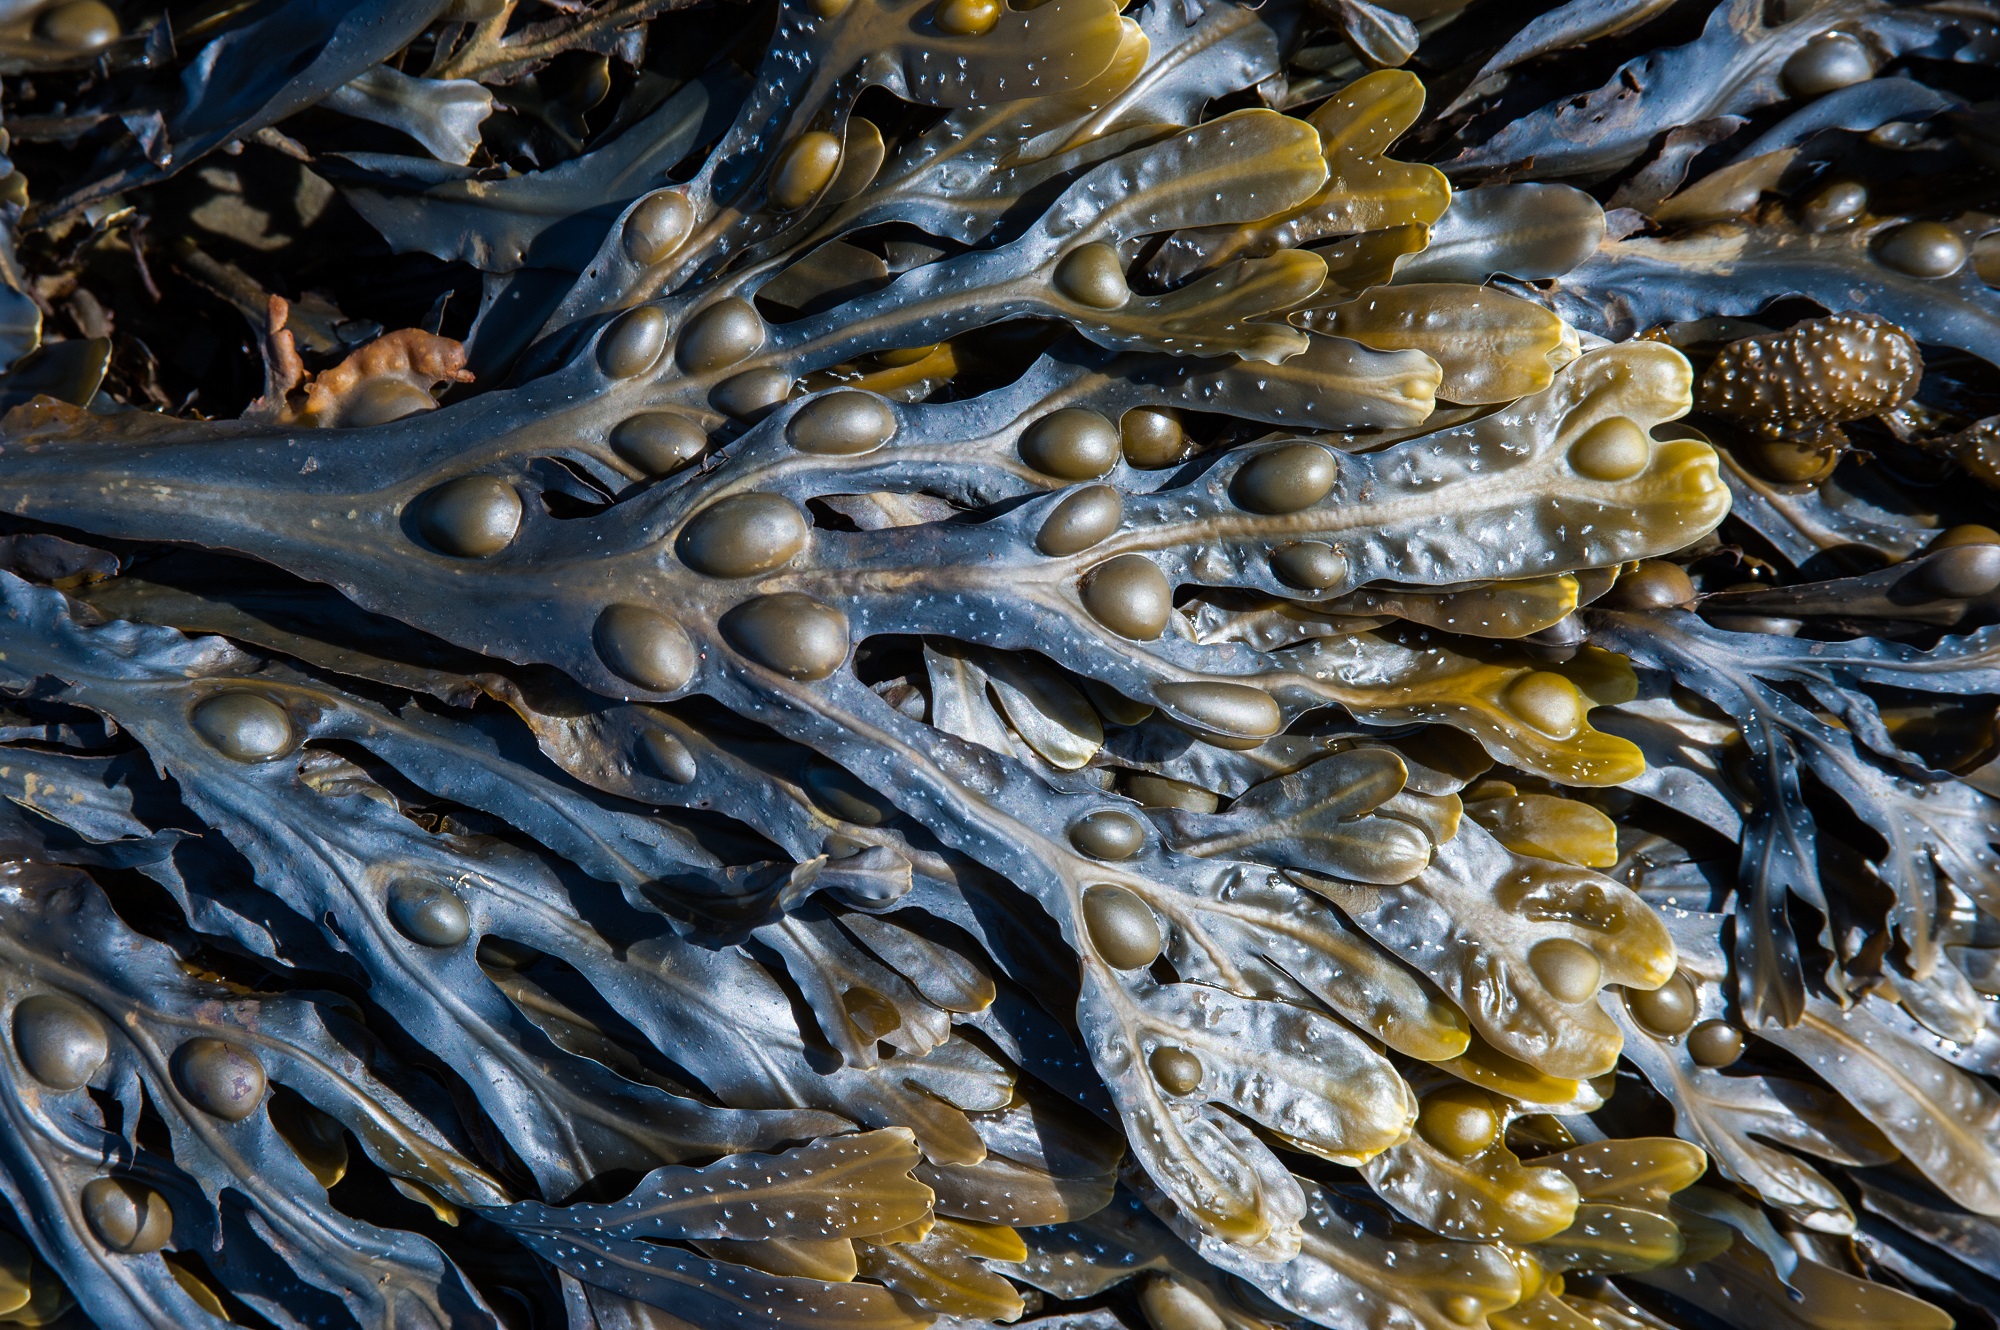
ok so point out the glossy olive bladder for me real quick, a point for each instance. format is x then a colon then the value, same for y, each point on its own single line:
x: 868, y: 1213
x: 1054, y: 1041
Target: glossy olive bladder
x: 1614, y: 449
x: 1109, y: 833
x: 1835, y: 204
x: 1177, y: 1070
x: 1093, y: 275
x: 657, y: 227
x: 470, y: 517
x: 743, y: 534
x: 79, y: 25
x: 1309, y: 565
x: 668, y: 756
x: 793, y: 634
x: 127, y: 1216
x: 1569, y: 970
x: 245, y: 726
x: 1152, y: 437
x: 431, y: 913
x: 724, y: 334
x: 752, y: 394
x: 1123, y: 929
x: 1228, y: 711
x: 1547, y: 701
x: 1715, y: 1044
x: 644, y: 646
x: 658, y: 443
x: 1666, y: 1011
x: 1130, y: 596
x: 1080, y: 521
x: 61, y: 1042
x: 966, y: 18
x: 1071, y: 444
x: 841, y: 423
x: 1827, y: 63
x: 1922, y: 249
x: 1285, y: 479
x: 632, y: 345
x: 1461, y: 1120
x: 219, y: 1077
x: 1654, y: 585
x: 1962, y: 571
x: 803, y: 168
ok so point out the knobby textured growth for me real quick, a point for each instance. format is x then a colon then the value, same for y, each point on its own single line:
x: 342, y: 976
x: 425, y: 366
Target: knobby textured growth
x: 863, y: 664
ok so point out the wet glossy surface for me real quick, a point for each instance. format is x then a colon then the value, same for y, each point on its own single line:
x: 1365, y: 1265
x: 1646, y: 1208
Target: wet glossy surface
x: 430, y: 913
x: 1071, y: 444
x: 658, y: 227
x: 719, y: 335
x: 633, y: 344
x: 1286, y: 479
x: 471, y: 517
x: 1130, y: 596
x: 220, y: 1078
x: 799, y: 637
x: 743, y: 534
x: 1083, y: 519
x: 1121, y: 928
x: 658, y: 443
x: 645, y: 647
x: 61, y: 1043
x: 1109, y: 834
x: 902, y: 661
x: 127, y: 1216
x: 247, y: 727
x: 841, y: 423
